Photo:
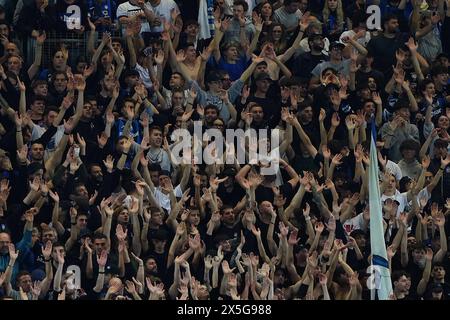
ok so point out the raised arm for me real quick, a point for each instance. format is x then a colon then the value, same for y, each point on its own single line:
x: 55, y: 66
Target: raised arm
x: 34, y: 68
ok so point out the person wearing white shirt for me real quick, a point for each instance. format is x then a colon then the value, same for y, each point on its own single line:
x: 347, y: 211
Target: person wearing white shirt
x: 127, y: 11
x: 163, y: 10
x: 288, y: 15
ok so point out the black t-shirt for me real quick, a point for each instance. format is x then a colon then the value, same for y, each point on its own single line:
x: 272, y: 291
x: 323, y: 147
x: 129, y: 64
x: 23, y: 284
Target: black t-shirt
x: 363, y: 77
x: 233, y: 197
x: 266, y: 194
x: 383, y: 50
x: 312, y: 131
x: 302, y: 65
x: 416, y: 274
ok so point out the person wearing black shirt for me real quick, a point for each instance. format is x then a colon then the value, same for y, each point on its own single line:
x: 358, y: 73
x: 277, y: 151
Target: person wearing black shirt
x: 384, y: 46
x: 306, y: 62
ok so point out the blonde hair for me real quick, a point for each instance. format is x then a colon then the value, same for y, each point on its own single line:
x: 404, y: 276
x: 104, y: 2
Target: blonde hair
x: 339, y: 12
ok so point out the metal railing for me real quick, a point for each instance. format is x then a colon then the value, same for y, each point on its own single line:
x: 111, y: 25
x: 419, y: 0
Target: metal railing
x: 76, y: 45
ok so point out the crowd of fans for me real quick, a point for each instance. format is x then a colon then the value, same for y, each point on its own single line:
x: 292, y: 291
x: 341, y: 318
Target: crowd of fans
x: 94, y: 205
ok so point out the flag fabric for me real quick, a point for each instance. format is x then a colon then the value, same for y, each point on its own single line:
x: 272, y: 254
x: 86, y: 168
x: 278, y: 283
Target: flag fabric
x: 206, y: 19
x: 379, y: 256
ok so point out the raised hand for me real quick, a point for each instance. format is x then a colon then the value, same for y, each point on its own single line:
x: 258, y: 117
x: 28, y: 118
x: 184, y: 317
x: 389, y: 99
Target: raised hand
x: 335, y: 120
x: 102, y: 259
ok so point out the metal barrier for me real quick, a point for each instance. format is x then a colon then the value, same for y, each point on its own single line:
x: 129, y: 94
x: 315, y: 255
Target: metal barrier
x: 76, y: 44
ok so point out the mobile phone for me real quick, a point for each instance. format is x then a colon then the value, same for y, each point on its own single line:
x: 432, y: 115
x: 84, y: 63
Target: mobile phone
x: 76, y: 152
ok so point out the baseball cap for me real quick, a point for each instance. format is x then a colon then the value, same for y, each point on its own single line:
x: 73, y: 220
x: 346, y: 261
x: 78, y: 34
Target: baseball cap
x: 315, y: 35
x: 337, y: 44
x: 131, y: 72
x: 263, y: 76
x: 164, y: 173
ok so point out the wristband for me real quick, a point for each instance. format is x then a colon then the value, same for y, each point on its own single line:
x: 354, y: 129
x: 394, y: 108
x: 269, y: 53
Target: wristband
x: 73, y: 223
x: 307, y: 218
x: 125, y: 153
x: 19, y: 130
x: 66, y: 133
x: 12, y: 266
x: 47, y: 260
x: 101, y: 272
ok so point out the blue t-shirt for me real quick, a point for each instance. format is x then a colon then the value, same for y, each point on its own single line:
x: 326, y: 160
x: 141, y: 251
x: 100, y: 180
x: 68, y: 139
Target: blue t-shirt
x: 234, y: 70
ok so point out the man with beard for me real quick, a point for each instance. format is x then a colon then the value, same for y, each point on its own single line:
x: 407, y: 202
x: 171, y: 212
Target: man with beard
x: 384, y: 46
x: 95, y: 179
x: 336, y: 62
x: 306, y: 62
x: 211, y: 115
x: 88, y: 131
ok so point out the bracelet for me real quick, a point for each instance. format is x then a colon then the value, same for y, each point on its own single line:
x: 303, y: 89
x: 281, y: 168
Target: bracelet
x: 47, y: 260
x: 441, y: 168
x: 12, y: 266
x: 19, y: 130
x: 101, y: 272
x: 73, y: 223
x: 66, y: 133
x: 307, y: 218
x: 125, y: 153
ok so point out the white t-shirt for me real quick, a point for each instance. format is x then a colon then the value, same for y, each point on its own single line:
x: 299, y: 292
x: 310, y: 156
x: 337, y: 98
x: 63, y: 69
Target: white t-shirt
x: 128, y: 9
x: 393, y: 168
x: 163, y: 11
x: 400, y: 197
x: 350, y: 33
x: 144, y: 74
x: 355, y: 223
x: 164, y: 199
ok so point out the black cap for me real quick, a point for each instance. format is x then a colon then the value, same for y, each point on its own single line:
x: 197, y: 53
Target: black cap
x: 131, y: 72
x: 229, y: 172
x: 213, y: 76
x: 315, y: 35
x: 263, y: 76
x: 164, y: 173
x: 337, y: 44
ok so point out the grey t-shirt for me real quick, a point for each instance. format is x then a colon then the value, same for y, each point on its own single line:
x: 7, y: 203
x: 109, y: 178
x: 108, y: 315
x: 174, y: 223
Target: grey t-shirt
x: 342, y: 67
x: 289, y: 20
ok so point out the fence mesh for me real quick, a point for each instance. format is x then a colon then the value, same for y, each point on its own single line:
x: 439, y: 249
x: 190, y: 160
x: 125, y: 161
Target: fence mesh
x: 76, y: 44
